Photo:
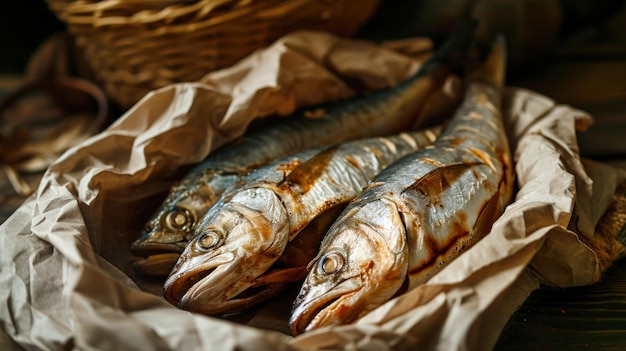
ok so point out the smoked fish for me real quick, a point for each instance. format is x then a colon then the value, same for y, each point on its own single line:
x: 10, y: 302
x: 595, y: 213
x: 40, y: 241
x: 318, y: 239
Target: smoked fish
x: 380, y: 113
x: 244, y: 250
x: 418, y: 214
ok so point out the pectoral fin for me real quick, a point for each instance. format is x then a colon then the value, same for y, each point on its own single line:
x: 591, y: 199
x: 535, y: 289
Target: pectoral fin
x: 281, y: 276
x: 434, y: 183
x: 489, y: 214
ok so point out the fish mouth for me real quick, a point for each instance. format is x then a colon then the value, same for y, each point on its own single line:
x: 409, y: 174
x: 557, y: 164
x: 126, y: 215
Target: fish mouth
x: 155, y: 259
x: 174, y: 291
x: 218, y: 289
x: 328, y: 309
x: 204, y: 292
x: 186, y: 277
x: 248, y: 298
x: 157, y: 266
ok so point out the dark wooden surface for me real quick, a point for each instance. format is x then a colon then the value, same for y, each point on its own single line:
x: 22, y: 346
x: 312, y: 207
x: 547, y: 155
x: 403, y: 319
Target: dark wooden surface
x: 581, y: 318
x: 587, y: 72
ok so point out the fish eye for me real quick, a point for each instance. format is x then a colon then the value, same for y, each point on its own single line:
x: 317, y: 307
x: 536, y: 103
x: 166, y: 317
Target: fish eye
x: 180, y: 219
x: 208, y: 240
x: 331, y: 263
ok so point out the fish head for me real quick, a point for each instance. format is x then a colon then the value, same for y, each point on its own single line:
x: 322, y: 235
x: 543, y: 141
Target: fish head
x: 361, y: 264
x: 170, y: 228
x: 173, y: 224
x: 236, y: 242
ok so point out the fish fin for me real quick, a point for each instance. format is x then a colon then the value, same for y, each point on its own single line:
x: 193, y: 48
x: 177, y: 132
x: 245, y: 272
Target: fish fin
x: 487, y: 216
x: 455, y: 50
x: 304, y: 244
x: 286, y: 275
x: 319, y: 225
x: 435, y: 182
x: 488, y: 64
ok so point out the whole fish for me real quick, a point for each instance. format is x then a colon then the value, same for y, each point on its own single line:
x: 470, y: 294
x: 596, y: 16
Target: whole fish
x: 418, y: 214
x: 241, y: 254
x: 381, y: 113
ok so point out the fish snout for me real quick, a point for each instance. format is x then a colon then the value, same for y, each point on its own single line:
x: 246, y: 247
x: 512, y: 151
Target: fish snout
x: 321, y: 304
x: 155, y: 259
x: 312, y: 314
x: 191, y: 275
x: 177, y: 285
x: 159, y: 265
x: 300, y: 318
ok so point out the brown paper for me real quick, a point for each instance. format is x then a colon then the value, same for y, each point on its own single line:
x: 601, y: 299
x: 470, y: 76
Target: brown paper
x: 67, y: 281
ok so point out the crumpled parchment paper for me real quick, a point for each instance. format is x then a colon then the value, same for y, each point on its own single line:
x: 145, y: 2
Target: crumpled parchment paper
x: 66, y: 280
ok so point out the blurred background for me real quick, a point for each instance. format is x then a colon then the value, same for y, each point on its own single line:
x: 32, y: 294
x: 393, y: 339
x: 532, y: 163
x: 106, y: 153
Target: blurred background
x: 573, y: 51
x: 24, y: 25
x: 533, y: 27
x: 539, y: 33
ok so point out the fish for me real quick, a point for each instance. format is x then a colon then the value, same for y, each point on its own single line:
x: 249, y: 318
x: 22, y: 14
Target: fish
x: 245, y: 251
x: 380, y: 113
x: 418, y: 214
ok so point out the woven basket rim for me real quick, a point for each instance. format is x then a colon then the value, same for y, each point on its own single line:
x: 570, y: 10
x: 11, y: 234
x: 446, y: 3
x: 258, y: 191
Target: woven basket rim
x: 126, y: 42
x: 208, y: 12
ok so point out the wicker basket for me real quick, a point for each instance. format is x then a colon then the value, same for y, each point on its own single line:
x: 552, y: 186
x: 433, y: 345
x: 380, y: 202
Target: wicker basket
x: 134, y: 46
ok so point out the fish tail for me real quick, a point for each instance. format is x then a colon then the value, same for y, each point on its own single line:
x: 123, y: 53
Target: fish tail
x: 455, y: 50
x: 487, y: 63
x: 449, y: 58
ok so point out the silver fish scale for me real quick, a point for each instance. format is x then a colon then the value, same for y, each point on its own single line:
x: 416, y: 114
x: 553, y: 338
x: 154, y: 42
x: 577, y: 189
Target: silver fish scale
x: 450, y: 148
x: 481, y: 127
x: 377, y: 114
x: 256, y: 220
x: 351, y: 167
x: 273, y: 173
x: 340, y: 121
x: 430, y: 224
x: 380, y: 113
x: 422, y: 211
